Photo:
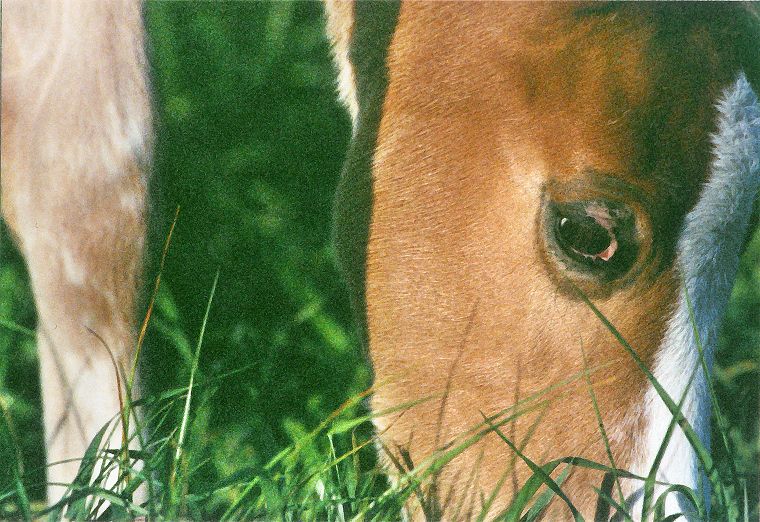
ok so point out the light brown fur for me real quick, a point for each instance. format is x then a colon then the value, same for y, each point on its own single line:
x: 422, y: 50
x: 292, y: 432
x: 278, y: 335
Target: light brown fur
x: 339, y: 28
x: 75, y: 142
x: 490, y: 108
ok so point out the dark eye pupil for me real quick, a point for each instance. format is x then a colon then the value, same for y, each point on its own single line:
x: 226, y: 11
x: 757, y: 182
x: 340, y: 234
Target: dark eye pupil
x: 594, y: 239
x: 583, y: 234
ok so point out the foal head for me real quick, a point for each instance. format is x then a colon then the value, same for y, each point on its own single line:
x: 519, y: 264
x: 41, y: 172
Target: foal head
x: 513, y: 164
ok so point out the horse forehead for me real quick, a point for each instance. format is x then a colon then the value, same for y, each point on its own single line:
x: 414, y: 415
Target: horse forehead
x: 506, y: 43
x: 473, y: 76
x: 548, y: 57
x: 606, y: 91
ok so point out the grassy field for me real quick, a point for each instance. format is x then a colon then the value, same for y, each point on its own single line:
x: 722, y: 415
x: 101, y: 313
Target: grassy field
x: 250, y: 141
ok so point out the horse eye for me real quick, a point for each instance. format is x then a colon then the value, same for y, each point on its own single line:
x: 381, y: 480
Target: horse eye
x: 594, y: 237
x: 586, y: 238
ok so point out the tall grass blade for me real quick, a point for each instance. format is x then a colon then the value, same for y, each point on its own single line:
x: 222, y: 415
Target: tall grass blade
x: 620, y: 509
x: 536, y: 511
x: 650, y: 482
x: 174, y: 483
x: 75, y: 504
x: 154, y: 293
x: 537, y: 470
x: 135, y: 361
x: 492, y: 497
x: 703, y: 455
x: 687, y: 493
x: 602, y: 430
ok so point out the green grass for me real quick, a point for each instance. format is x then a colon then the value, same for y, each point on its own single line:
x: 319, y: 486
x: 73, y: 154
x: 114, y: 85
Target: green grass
x: 327, y: 473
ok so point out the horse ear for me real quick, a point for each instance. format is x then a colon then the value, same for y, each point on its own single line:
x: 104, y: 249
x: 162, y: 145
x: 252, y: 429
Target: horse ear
x: 340, y: 28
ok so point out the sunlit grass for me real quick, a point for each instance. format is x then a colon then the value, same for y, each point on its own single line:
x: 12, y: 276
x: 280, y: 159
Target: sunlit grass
x: 329, y: 473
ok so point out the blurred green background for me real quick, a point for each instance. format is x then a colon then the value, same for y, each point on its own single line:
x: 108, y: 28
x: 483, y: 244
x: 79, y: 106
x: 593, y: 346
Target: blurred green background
x: 250, y: 141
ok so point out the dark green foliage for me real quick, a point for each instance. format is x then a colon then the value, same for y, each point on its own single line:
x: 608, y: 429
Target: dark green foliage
x: 250, y: 143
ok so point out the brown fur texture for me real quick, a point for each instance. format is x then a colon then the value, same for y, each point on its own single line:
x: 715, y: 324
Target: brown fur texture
x: 492, y: 110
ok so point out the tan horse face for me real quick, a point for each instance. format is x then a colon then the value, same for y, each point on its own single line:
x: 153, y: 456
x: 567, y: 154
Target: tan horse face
x: 467, y: 263
x: 524, y: 153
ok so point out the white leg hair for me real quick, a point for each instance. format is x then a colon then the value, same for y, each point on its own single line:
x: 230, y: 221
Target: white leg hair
x: 75, y: 139
x: 708, y: 258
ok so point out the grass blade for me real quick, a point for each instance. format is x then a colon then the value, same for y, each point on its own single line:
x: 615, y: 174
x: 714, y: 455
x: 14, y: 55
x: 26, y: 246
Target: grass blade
x: 174, y: 483
x: 702, y: 453
x: 537, y: 509
x: 602, y: 430
x: 688, y: 493
x: 537, y: 470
